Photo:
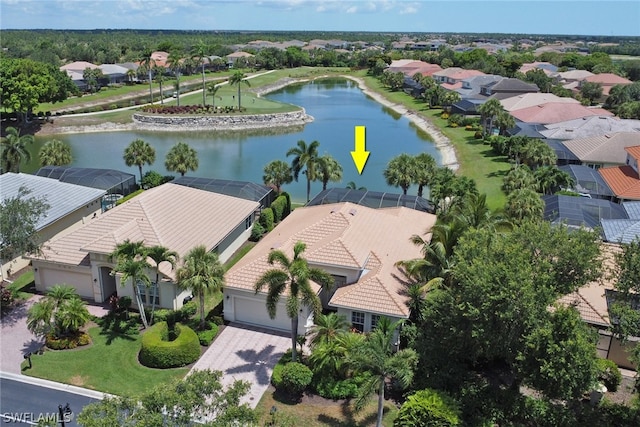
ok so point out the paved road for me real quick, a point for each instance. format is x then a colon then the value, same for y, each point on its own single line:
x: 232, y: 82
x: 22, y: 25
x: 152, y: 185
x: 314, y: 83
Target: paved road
x: 21, y: 404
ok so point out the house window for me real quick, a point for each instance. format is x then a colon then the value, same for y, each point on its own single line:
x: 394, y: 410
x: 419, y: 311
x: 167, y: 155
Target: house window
x: 149, y: 294
x: 374, y: 321
x: 338, y: 281
x: 247, y: 222
x: 357, y: 320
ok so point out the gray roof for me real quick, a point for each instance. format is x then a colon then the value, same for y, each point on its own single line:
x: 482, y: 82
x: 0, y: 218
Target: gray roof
x: 563, y: 154
x: 514, y: 85
x: 471, y: 87
x: 590, y: 126
x: 588, y: 180
x: 609, y: 148
x: 371, y: 199
x: 632, y: 209
x: 580, y: 211
x: 241, y: 189
x: 113, y: 69
x: 111, y: 180
x: 61, y: 197
x: 526, y: 129
x: 620, y: 230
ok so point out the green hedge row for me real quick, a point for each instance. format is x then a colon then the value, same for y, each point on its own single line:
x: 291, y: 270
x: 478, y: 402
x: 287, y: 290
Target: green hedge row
x: 266, y: 219
x: 158, y: 352
x: 281, y: 207
x: 207, y: 335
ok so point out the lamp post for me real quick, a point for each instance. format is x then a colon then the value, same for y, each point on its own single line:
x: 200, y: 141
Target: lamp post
x: 63, y: 411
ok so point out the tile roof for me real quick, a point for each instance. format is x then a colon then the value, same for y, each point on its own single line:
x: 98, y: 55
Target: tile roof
x: 575, y: 75
x: 620, y: 230
x: 343, y: 235
x: 526, y: 100
x: 79, y: 66
x: 170, y: 215
x: 608, y: 148
x: 553, y: 112
x: 634, y: 151
x: 589, y: 126
x: 623, y: 181
x: 608, y: 79
x: 446, y: 72
x: 514, y: 85
x: 632, y: 209
x: 62, y: 198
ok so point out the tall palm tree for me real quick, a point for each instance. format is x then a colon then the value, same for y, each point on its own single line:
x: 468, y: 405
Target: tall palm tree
x: 277, y: 173
x: 401, y: 171
x: 378, y: 357
x: 139, y: 153
x: 202, y: 273
x: 131, y: 261
x: 55, y: 153
x: 537, y: 153
x: 305, y: 157
x: 425, y: 168
x: 236, y: 79
x: 551, y: 179
x: 160, y: 79
x: 517, y: 178
x: 131, y: 74
x: 329, y: 170
x: 175, y: 64
x: 200, y: 55
x: 488, y: 111
x: 524, y: 205
x: 293, y: 279
x: 505, y: 121
x: 181, y: 158
x: 14, y: 150
x: 212, y: 89
x: 160, y: 254
x: 327, y: 328
x: 148, y: 63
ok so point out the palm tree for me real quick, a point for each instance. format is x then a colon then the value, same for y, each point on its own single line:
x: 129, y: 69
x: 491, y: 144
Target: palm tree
x: 202, y: 273
x: 71, y: 316
x: 517, y: 178
x: 551, y: 179
x: 331, y: 358
x: 200, y: 52
x: 306, y: 157
x: 488, y: 111
x: 524, y: 205
x: 139, y: 153
x: 14, y: 150
x: 237, y: 78
x: 160, y: 79
x: 131, y: 261
x: 377, y: 356
x: 131, y: 74
x: 55, y: 153
x: 181, y: 158
x: 505, y: 121
x: 277, y: 173
x: 327, y: 328
x: 60, y: 312
x: 401, y: 171
x: 329, y: 170
x: 148, y: 63
x: 537, y: 153
x: 212, y: 89
x: 175, y: 64
x: 352, y: 186
x: 293, y: 279
x: 425, y: 168
x: 160, y: 254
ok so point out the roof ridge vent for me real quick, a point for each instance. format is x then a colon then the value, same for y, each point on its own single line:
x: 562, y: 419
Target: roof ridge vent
x: 353, y: 212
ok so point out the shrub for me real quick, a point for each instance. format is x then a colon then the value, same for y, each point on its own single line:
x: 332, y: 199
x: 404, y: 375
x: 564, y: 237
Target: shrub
x: 278, y: 206
x: 257, y: 231
x: 287, y: 208
x: 6, y: 297
x: 276, y: 375
x: 295, y: 378
x: 207, y: 335
x: 164, y: 315
x: 188, y: 310
x: 609, y: 374
x: 428, y: 408
x: 129, y: 196
x: 477, y: 135
x: 331, y: 388
x: 65, y: 343
x: 158, y: 352
x: 266, y: 219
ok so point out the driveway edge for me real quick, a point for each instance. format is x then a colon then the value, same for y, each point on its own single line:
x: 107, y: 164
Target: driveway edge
x: 55, y: 386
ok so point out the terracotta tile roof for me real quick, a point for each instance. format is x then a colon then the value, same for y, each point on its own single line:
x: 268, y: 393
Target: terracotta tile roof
x: 634, y: 151
x: 465, y: 74
x: 79, y: 66
x: 446, y: 72
x: 608, y: 148
x: 453, y: 86
x: 554, y: 112
x: 174, y: 216
x: 623, y: 181
x: 575, y: 75
x: 345, y: 235
x: 608, y: 79
x: 533, y: 99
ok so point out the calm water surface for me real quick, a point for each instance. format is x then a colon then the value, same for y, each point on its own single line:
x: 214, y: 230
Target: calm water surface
x: 336, y: 105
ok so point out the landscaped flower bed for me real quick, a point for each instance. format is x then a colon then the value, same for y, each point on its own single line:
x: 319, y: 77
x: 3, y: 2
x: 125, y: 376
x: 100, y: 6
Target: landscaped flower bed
x: 190, y: 109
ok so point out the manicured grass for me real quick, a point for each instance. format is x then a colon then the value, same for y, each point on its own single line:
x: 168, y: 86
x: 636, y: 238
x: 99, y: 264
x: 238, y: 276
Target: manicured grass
x: 321, y: 412
x: 210, y: 301
x: 24, y: 286
x: 110, y: 364
x: 237, y: 256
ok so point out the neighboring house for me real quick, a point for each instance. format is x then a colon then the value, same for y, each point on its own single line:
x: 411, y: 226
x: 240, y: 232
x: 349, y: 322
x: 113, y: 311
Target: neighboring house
x: 467, y: 107
x: 624, y: 180
x: 78, y: 66
x: 115, y: 73
x: 341, y: 240
x: 590, y: 126
x: 243, y: 189
x: 527, y: 100
x: 159, y: 58
x: 232, y: 58
x: 588, y: 182
x: 606, y: 80
x: 553, y: 112
x: 572, y: 76
x: 547, y: 67
x: 170, y: 215
x: 623, y: 230
x: 472, y: 86
x: 69, y: 206
x: 441, y: 76
x: 506, y: 88
x: 410, y: 67
x: 454, y: 81
x: 603, y: 150
x: 372, y: 199
x: 111, y: 180
x: 593, y: 302
x: 574, y: 211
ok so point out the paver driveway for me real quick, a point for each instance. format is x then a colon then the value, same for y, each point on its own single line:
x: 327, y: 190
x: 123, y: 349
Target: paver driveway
x: 245, y: 353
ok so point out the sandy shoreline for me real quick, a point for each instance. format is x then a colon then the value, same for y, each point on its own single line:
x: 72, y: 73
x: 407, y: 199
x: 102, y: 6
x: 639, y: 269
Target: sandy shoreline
x: 442, y: 143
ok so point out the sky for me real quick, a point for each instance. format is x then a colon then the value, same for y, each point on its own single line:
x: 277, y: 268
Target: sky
x: 585, y: 17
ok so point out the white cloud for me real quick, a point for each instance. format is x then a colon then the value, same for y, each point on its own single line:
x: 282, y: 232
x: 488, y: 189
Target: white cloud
x: 352, y: 9
x: 407, y: 10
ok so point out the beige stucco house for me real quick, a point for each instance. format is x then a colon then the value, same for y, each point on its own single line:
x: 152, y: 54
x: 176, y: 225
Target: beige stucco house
x: 170, y: 215
x: 357, y: 245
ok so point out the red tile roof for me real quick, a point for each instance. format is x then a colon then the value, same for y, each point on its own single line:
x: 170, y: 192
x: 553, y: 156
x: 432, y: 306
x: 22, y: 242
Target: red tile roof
x: 554, y: 112
x: 608, y: 79
x: 623, y: 181
x: 634, y: 151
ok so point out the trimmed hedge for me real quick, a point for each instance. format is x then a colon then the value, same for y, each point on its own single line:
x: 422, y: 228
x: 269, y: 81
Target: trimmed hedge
x: 287, y: 209
x: 266, y: 219
x: 278, y: 206
x: 276, y: 375
x: 207, y: 335
x: 158, y: 352
x: 296, y: 377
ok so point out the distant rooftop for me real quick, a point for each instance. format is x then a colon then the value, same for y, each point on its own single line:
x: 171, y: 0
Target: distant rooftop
x: 371, y: 199
x: 111, y: 180
x: 242, y: 189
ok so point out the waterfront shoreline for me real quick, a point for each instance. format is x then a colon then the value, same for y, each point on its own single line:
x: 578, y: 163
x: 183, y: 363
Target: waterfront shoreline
x: 441, y: 142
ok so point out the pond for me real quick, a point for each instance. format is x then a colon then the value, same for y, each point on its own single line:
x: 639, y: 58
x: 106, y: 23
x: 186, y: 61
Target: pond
x: 337, y: 105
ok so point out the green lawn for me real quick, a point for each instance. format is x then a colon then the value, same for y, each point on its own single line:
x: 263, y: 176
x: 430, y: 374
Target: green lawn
x: 24, y: 286
x: 109, y: 364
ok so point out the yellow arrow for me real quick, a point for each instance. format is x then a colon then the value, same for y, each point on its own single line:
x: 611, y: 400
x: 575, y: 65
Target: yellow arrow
x: 360, y: 156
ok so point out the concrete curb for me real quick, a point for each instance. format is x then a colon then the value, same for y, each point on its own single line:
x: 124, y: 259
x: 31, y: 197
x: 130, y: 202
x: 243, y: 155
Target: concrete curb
x: 55, y: 386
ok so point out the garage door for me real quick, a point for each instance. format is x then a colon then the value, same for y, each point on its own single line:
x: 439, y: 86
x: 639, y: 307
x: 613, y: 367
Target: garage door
x: 254, y: 312
x: 82, y: 282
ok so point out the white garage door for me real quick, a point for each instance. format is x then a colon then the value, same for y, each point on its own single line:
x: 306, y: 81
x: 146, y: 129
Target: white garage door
x: 254, y: 312
x: 82, y: 282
